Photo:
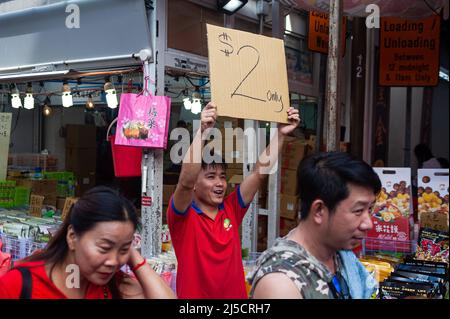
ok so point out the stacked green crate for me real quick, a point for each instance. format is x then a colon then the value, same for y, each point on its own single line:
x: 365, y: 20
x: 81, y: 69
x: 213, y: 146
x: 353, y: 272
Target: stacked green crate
x: 21, y: 196
x: 7, y: 191
x: 66, y: 183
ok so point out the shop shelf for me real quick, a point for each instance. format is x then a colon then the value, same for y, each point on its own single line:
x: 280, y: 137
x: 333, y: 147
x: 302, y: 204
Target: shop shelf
x: 371, y: 246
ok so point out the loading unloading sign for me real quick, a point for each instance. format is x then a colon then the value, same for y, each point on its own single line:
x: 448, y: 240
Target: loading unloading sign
x: 409, y: 51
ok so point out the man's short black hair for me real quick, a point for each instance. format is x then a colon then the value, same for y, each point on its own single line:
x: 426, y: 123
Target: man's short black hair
x: 326, y: 176
x: 218, y: 161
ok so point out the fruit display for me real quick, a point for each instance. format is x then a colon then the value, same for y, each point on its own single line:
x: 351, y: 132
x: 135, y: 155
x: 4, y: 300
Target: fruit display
x: 433, y: 190
x: 392, y: 210
x: 394, y: 204
x: 135, y: 130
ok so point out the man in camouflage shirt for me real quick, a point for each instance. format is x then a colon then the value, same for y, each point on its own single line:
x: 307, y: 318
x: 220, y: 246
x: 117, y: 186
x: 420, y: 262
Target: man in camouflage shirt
x: 315, y: 261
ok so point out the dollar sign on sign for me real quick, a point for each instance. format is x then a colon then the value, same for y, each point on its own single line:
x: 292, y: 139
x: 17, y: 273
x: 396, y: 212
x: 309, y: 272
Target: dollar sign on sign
x: 225, y: 38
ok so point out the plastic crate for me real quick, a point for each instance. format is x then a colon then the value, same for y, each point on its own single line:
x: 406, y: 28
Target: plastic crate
x: 19, y: 248
x: 372, y: 246
x: 7, y: 191
x: 66, y: 183
x: 29, y: 161
x: 22, y: 196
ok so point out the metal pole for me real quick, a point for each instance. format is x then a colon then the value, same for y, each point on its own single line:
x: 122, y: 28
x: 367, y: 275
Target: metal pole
x: 407, y: 149
x: 333, y: 100
x: 273, y: 204
x: 152, y: 160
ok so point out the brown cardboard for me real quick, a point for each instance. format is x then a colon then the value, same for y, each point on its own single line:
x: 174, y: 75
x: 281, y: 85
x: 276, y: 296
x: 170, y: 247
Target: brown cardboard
x: 80, y: 136
x: 81, y: 161
x: 233, y: 182
x: 83, y: 183
x: 42, y: 187
x: 60, y: 201
x: 50, y: 200
x: 168, y: 190
x: 292, y: 153
x: 289, y: 207
x: 67, y: 205
x: 286, y: 225
x: 36, y: 203
x: 288, y: 185
x: 248, y: 75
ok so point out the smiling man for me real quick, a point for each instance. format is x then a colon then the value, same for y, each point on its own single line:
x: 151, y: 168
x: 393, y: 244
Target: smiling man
x: 204, y: 223
x: 315, y: 261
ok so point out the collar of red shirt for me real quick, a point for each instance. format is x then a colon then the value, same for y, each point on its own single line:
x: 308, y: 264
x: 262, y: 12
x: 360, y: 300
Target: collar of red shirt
x: 199, y: 211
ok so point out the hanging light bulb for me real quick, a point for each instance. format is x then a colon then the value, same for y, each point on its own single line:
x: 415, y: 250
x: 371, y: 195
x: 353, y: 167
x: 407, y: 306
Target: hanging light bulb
x: 67, y: 100
x: 29, y: 99
x: 111, y: 96
x: 196, y: 102
x: 90, y: 102
x: 47, y: 110
x: 187, y: 103
x: 16, y: 102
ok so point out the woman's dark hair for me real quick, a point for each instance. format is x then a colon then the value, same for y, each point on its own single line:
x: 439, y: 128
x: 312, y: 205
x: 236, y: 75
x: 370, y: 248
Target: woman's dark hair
x: 326, y: 176
x: 99, y: 204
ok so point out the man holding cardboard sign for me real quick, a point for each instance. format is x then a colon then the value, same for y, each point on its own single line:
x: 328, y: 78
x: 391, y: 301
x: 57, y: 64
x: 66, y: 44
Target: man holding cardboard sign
x: 204, y: 224
x: 248, y: 70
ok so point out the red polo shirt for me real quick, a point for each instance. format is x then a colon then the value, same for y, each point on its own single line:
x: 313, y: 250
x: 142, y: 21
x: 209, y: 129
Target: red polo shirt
x: 209, y: 251
x: 42, y: 286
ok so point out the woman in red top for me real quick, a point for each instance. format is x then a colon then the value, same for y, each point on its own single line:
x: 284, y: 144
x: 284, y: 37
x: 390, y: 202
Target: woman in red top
x: 84, y: 258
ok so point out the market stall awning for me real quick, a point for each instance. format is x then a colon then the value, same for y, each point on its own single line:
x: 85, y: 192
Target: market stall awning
x: 400, y: 8
x: 39, y: 39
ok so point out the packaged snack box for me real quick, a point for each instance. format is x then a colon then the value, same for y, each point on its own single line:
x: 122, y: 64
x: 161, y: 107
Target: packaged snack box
x: 432, y: 245
x: 432, y: 198
x: 393, y: 208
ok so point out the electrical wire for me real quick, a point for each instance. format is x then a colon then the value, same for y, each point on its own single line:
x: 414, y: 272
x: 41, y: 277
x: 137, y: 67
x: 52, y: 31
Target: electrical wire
x: 431, y: 8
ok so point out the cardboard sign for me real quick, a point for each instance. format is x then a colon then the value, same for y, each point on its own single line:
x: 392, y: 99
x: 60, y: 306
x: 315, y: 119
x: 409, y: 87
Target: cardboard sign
x: 319, y: 30
x: 409, y: 51
x: 248, y: 75
x: 432, y: 198
x: 67, y: 206
x: 392, y: 209
x: 5, y: 132
x: 36, y: 203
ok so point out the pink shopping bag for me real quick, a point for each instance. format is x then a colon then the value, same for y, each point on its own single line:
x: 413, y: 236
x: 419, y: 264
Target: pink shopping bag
x: 143, y: 121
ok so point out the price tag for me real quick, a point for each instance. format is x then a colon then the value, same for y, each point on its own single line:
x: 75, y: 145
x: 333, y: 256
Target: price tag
x: 248, y: 75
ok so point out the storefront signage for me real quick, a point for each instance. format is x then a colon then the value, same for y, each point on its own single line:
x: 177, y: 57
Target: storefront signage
x: 409, y: 51
x: 319, y: 31
x: 248, y: 75
x: 5, y: 132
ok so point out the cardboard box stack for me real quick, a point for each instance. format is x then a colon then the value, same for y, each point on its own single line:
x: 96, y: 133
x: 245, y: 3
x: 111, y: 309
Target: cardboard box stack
x: 234, y: 154
x: 81, y: 155
x: 45, y: 188
x: 294, y: 150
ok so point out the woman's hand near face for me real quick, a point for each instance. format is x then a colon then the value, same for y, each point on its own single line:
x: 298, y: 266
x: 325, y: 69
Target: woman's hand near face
x: 151, y: 285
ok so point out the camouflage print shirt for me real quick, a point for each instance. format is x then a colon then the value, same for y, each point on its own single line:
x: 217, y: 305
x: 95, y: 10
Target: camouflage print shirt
x: 310, y: 276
